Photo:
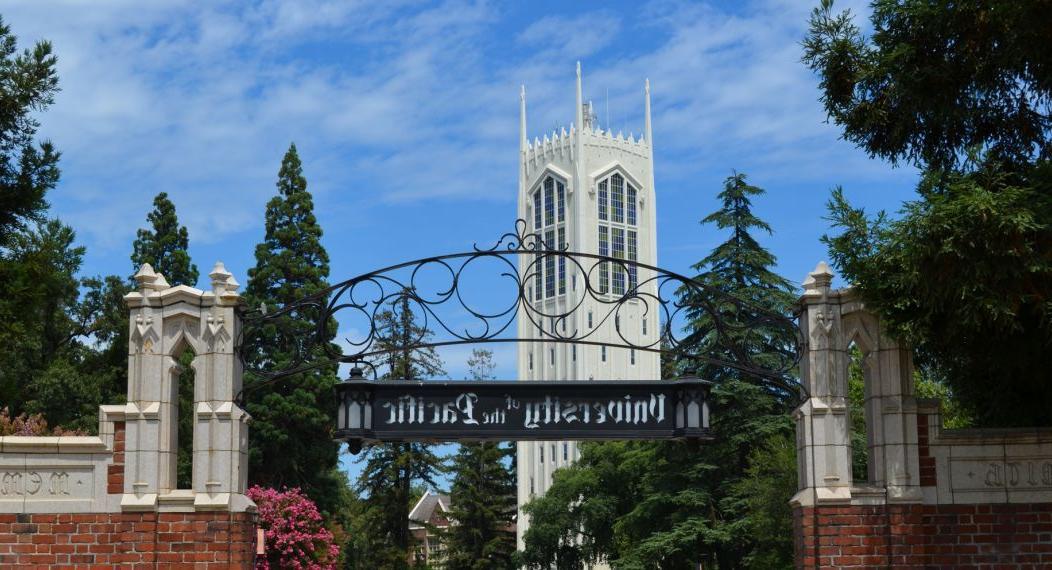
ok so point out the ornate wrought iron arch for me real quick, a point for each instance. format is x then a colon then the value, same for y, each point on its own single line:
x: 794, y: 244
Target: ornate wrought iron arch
x: 519, y: 255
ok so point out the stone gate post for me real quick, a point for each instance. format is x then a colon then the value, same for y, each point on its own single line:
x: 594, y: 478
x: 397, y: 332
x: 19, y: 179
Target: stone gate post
x: 165, y: 322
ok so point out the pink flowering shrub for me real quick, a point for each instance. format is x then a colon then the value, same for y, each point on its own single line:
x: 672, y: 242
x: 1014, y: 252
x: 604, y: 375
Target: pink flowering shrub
x: 34, y: 425
x: 293, y: 531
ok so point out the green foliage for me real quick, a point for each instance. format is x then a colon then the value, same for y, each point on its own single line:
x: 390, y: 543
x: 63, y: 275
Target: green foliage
x: 392, y: 470
x: 290, y: 443
x: 963, y: 91
x: 856, y: 399
x: 965, y: 277
x: 938, y: 79
x: 28, y: 83
x: 769, y: 479
x: 166, y: 246
x: 483, y: 496
x: 671, y: 505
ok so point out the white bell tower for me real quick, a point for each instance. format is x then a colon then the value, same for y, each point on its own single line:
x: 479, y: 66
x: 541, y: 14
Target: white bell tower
x: 591, y: 191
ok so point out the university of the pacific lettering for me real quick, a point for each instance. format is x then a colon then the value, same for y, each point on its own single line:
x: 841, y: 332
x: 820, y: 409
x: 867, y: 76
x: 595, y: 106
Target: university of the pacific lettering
x: 465, y: 409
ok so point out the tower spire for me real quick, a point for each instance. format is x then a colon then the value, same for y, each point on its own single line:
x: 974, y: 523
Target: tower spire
x: 580, y: 101
x: 646, y: 113
x: 522, y: 118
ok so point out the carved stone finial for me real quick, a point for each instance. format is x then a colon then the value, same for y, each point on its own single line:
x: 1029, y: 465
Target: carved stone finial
x: 160, y: 284
x: 220, y: 278
x: 145, y: 276
x: 820, y: 279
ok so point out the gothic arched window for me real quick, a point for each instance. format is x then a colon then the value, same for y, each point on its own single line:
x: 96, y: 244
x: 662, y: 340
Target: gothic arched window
x: 549, y: 222
x: 617, y: 233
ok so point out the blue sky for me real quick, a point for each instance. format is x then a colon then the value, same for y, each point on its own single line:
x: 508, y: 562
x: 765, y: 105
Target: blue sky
x: 406, y: 117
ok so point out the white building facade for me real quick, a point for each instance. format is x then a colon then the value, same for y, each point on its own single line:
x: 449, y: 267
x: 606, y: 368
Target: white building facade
x: 589, y: 191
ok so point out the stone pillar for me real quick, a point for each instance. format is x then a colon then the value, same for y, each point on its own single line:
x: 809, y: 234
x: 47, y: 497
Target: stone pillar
x: 823, y: 441
x: 831, y: 320
x: 164, y: 322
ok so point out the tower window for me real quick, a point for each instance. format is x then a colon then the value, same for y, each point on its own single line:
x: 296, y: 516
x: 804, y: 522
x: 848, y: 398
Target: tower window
x: 617, y: 322
x: 562, y: 260
x: 644, y: 326
x: 531, y: 485
x: 604, y: 267
x: 618, y: 235
x: 633, y: 254
x: 541, y: 447
x: 630, y: 201
x: 562, y: 200
x: 529, y: 359
x: 617, y: 199
x: 632, y: 356
x: 549, y: 217
x: 617, y: 213
x: 549, y: 202
x: 537, y: 210
x: 549, y: 265
x: 603, y: 208
x: 603, y: 353
x: 589, y: 319
x: 553, y: 453
x: 573, y: 351
x: 566, y: 452
x: 551, y: 356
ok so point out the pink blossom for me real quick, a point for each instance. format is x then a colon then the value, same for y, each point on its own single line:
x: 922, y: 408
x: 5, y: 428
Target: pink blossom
x: 293, y: 531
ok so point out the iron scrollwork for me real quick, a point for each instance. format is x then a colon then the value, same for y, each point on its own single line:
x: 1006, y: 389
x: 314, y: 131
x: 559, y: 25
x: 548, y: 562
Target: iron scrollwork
x: 449, y: 315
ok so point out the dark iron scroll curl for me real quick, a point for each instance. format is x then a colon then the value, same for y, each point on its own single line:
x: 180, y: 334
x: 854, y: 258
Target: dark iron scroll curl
x: 449, y: 313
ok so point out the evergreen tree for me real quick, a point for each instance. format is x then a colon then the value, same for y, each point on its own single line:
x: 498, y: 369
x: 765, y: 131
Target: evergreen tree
x: 166, y: 246
x: 28, y: 83
x: 482, y: 496
x: 391, y: 470
x: 673, y: 504
x: 290, y: 443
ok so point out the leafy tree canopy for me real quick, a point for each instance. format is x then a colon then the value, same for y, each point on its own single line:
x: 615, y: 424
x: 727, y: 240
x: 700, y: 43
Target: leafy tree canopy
x: 963, y: 275
x: 938, y: 79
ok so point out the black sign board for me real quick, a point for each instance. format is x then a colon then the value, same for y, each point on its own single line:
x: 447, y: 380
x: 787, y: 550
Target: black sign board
x: 378, y: 411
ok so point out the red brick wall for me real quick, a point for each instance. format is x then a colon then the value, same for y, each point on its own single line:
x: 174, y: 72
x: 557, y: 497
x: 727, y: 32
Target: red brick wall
x: 126, y: 540
x: 928, y: 536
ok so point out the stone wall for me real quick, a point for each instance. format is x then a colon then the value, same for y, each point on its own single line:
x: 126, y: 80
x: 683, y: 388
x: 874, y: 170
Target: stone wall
x: 112, y: 500
x: 933, y: 498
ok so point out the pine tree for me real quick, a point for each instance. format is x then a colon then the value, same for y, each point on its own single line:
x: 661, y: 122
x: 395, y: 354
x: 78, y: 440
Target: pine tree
x: 166, y: 247
x: 290, y: 443
x: 674, y: 502
x: 482, y: 496
x: 28, y: 83
x: 392, y: 469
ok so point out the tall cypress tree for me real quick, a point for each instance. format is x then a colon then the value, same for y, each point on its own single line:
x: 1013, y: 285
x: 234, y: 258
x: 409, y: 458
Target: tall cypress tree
x: 165, y: 245
x: 482, y: 497
x: 672, y: 503
x: 392, y: 469
x: 290, y: 443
